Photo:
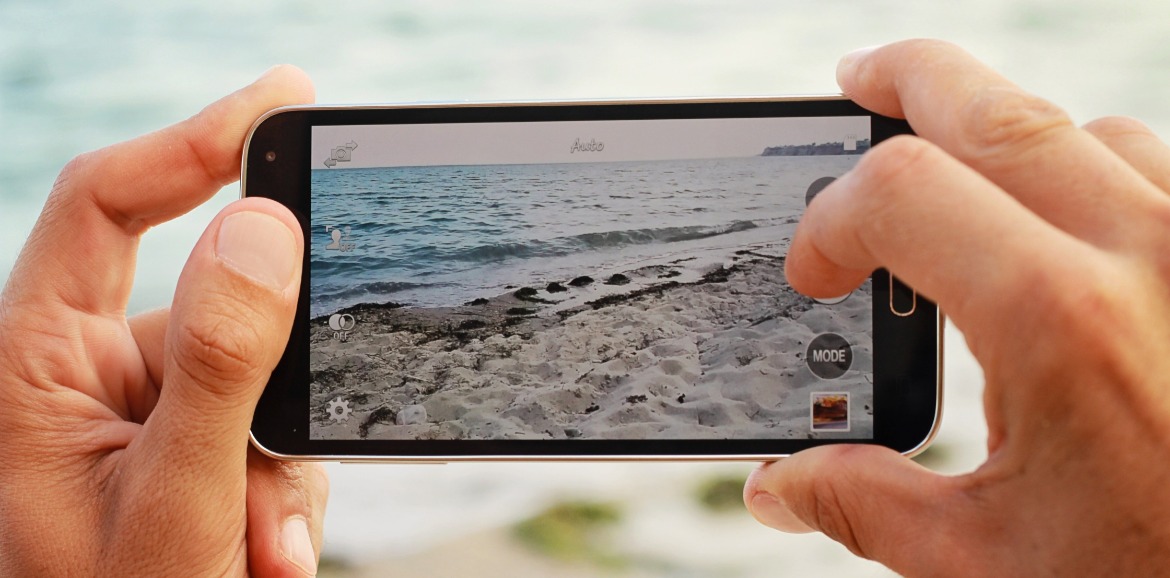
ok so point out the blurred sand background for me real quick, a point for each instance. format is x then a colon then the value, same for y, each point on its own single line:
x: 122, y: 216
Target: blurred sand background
x: 77, y: 75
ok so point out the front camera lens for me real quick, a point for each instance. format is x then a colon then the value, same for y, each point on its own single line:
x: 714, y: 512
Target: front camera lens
x: 270, y: 156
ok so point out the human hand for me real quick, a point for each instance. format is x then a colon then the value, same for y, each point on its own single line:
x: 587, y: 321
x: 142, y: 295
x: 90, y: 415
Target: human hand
x: 1046, y: 244
x: 124, y: 442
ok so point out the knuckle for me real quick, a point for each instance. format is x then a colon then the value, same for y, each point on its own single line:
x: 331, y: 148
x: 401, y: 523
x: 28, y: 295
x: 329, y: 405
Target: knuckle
x: 830, y: 515
x: 1084, y: 302
x: 925, y: 47
x: 205, y: 136
x: 73, y: 169
x: 61, y: 197
x: 833, y: 504
x: 38, y: 360
x: 1000, y: 123
x: 1096, y: 314
x: 891, y: 162
x: 82, y: 180
x: 888, y: 171
x: 902, y: 58
x: 913, y: 53
x: 292, y: 478
x: 205, y: 155
x: 218, y: 348
x: 1059, y: 293
x: 318, y: 480
x: 308, y: 481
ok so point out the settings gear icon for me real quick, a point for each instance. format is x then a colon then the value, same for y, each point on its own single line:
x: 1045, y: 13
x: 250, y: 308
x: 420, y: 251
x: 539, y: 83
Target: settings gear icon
x: 339, y: 410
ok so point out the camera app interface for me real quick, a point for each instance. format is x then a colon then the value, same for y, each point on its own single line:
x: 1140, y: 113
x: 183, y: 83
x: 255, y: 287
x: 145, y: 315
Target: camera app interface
x: 579, y: 280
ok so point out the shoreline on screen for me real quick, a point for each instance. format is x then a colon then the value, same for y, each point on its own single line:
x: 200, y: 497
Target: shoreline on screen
x: 695, y: 347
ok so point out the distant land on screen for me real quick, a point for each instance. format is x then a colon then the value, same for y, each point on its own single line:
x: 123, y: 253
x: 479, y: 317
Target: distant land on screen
x: 815, y: 149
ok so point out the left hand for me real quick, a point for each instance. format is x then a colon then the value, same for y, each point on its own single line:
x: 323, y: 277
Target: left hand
x: 124, y: 441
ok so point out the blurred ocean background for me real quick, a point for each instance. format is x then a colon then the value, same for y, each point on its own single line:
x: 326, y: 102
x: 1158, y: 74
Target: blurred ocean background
x: 76, y: 75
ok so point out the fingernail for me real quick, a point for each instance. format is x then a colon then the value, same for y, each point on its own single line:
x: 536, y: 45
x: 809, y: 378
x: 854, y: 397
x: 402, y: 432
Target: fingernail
x: 847, y: 66
x: 296, y: 546
x: 259, y: 247
x: 771, y: 512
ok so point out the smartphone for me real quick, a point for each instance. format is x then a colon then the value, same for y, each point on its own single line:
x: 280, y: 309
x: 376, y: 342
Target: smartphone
x: 579, y: 281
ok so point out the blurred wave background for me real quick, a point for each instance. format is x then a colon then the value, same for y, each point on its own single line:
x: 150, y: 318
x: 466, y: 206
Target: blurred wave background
x: 77, y: 75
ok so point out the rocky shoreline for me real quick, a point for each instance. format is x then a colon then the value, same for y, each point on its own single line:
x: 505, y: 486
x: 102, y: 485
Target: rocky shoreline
x: 678, y: 350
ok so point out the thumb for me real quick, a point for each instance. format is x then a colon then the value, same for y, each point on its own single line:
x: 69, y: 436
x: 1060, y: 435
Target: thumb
x: 183, y: 479
x: 879, y: 504
x: 229, y: 324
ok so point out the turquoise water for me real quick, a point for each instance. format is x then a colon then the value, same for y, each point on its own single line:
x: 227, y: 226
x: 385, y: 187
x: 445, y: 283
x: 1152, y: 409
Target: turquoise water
x: 75, y: 75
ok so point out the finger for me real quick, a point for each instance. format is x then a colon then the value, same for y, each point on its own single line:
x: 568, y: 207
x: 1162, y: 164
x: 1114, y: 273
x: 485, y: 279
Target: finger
x: 1021, y: 142
x: 937, y: 225
x: 228, y: 327
x: 82, y: 251
x: 879, y: 504
x: 1133, y: 141
x: 149, y: 330
x: 286, y: 509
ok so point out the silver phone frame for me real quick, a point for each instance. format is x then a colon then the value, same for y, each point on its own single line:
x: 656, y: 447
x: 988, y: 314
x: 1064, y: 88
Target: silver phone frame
x: 443, y: 459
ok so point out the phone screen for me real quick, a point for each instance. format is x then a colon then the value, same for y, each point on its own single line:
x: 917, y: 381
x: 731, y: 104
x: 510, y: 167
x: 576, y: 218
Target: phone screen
x: 615, y: 279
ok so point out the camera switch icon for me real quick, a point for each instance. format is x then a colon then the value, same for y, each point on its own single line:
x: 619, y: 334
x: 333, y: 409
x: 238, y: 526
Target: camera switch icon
x: 341, y: 154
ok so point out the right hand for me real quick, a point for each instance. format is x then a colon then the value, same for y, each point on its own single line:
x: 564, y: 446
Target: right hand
x: 1048, y: 245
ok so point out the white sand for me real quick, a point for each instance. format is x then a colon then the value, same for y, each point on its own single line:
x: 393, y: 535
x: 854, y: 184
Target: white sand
x: 715, y: 359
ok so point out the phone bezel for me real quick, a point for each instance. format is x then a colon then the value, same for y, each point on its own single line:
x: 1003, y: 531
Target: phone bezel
x: 907, y: 374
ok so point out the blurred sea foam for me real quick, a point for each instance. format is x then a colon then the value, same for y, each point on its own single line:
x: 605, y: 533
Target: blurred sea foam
x: 78, y: 75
